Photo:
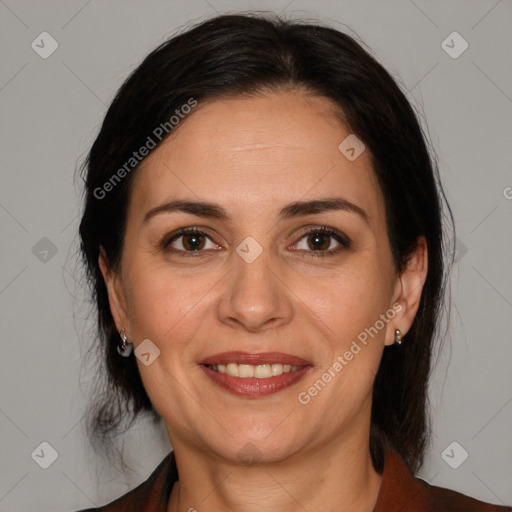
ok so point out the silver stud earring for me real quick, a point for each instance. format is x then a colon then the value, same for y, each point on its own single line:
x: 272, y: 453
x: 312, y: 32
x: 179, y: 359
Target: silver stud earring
x: 398, y: 336
x: 124, y: 348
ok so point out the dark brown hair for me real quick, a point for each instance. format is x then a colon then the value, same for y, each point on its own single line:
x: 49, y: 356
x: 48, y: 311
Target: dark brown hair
x: 249, y: 54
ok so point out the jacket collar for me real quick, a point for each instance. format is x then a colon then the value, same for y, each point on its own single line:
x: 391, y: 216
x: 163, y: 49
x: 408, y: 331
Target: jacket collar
x: 399, y: 489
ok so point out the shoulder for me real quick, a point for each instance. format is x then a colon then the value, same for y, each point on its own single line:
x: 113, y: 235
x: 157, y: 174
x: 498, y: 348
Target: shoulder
x: 149, y: 496
x: 447, y: 500
x: 400, y: 490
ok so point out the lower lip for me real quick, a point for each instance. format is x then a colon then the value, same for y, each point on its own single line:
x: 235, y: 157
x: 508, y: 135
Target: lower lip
x: 251, y: 386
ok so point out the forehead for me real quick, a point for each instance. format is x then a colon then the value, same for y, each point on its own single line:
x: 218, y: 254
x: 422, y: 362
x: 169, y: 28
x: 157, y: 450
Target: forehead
x: 262, y: 151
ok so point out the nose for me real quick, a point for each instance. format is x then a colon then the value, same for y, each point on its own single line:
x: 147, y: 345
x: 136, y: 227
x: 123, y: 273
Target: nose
x: 255, y: 297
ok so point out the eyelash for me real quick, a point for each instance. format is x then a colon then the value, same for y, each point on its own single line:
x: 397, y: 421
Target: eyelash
x: 342, y: 239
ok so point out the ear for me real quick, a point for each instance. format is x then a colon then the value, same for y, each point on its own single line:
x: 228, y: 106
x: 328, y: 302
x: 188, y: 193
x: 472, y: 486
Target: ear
x: 408, y: 288
x: 116, y: 296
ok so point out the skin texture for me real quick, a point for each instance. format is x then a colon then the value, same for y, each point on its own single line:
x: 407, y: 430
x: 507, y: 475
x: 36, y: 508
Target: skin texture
x: 253, y: 156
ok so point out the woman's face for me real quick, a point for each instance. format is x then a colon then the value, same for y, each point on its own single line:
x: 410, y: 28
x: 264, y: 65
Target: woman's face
x: 254, y: 281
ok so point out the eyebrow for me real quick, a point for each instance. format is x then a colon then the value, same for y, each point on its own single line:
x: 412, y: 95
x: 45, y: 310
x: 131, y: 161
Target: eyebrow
x: 296, y: 209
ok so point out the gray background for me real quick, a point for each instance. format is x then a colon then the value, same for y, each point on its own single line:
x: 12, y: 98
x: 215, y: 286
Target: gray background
x: 51, y: 110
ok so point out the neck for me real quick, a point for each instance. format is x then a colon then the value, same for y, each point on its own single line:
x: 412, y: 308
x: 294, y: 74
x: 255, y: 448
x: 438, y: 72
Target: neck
x: 337, y: 476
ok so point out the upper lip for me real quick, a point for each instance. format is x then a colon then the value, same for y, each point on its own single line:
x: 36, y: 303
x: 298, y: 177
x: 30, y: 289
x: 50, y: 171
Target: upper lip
x: 255, y: 358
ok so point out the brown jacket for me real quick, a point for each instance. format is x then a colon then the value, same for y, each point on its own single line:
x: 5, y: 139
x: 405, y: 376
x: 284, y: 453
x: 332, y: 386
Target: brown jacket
x: 399, y: 491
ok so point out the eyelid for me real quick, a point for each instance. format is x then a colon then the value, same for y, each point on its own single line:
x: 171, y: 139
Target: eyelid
x: 167, y: 240
x: 340, y: 237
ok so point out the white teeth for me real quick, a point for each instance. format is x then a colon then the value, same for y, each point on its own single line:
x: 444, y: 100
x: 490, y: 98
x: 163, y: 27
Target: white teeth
x: 260, y: 371
x: 245, y: 370
x: 232, y: 369
x: 263, y: 371
x: 277, y: 369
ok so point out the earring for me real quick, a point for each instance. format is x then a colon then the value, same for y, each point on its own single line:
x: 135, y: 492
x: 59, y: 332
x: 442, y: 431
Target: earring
x: 125, y: 348
x: 398, y: 336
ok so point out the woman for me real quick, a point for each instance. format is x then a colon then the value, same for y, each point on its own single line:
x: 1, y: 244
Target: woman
x: 263, y: 235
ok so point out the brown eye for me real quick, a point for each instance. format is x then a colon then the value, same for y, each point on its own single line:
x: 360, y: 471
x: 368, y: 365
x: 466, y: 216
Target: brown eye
x: 322, y: 241
x: 318, y: 241
x: 189, y: 240
x: 193, y: 242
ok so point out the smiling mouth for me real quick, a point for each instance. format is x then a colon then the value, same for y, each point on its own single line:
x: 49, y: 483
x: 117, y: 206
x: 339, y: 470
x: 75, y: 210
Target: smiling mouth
x: 260, y: 371
x: 254, y: 375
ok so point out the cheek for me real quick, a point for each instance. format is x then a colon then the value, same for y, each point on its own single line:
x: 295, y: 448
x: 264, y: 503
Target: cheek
x: 168, y: 309
x: 350, y: 308
x: 353, y: 347
x: 162, y: 304
x: 352, y: 300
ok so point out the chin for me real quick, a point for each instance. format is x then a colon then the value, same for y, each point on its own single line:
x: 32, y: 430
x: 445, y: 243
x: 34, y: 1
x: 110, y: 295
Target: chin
x: 262, y: 446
